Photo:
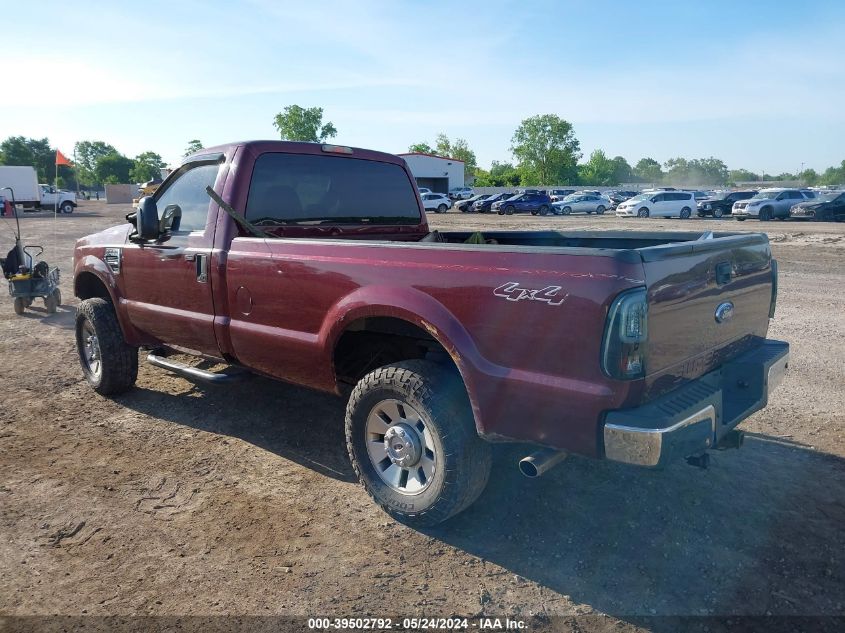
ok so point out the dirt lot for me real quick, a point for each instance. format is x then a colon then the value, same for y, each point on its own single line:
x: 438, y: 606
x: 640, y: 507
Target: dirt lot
x: 176, y: 499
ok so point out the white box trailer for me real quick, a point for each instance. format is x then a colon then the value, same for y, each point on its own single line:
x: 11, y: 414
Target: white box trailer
x: 29, y: 195
x: 24, y: 181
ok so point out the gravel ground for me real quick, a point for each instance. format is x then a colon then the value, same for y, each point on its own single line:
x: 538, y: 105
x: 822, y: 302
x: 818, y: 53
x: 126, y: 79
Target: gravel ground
x: 177, y: 499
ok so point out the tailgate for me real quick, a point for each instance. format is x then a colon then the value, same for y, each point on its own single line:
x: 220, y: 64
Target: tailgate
x: 708, y: 300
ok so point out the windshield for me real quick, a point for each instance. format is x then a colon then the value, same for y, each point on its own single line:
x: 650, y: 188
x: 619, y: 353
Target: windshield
x: 572, y: 197
x: 641, y: 197
x: 830, y: 196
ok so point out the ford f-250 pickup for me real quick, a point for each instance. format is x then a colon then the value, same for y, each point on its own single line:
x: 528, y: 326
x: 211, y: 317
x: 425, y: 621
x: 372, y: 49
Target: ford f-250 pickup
x: 275, y: 258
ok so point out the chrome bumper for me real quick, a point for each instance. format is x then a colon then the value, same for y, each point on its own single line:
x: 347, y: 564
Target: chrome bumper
x: 693, y: 418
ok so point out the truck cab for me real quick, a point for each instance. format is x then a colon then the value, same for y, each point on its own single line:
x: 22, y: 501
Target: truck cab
x: 57, y: 199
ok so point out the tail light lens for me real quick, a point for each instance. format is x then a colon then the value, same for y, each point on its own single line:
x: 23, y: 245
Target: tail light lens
x: 774, y: 300
x: 626, y: 336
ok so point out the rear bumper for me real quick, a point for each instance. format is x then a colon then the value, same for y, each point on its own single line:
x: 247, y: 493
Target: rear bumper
x: 693, y: 418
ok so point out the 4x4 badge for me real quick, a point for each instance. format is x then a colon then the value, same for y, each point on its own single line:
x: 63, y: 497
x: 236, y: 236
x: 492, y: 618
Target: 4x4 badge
x: 512, y: 292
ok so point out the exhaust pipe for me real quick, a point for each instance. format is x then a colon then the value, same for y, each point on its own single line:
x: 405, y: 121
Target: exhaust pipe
x: 540, y: 462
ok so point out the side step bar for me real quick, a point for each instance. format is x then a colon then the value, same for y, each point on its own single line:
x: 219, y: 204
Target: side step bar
x: 194, y: 373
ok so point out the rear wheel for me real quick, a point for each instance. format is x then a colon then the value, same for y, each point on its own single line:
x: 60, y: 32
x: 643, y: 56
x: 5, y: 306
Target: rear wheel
x: 600, y: 210
x: 442, y: 208
x: 685, y: 213
x: 413, y: 444
x: 110, y: 365
x: 544, y: 210
x: 642, y: 213
x: 20, y: 305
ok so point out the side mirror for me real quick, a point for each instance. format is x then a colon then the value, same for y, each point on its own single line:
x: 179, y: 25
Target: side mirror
x: 147, y: 220
x: 170, y: 219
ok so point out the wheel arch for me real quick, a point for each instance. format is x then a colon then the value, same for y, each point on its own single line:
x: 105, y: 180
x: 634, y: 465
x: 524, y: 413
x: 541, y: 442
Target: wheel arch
x: 409, y: 314
x: 93, y: 278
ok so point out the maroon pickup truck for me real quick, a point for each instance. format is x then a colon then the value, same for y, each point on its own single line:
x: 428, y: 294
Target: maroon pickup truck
x: 314, y: 264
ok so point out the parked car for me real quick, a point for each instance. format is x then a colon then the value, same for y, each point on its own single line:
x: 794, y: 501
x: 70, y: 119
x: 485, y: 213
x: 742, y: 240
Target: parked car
x: 461, y: 193
x: 768, y: 204
x: 581, y: 203
x: 437, y: 202
x: 664, y: 204
x: 532, y: 203
x: 722, y: 203
x: 465, y: 206
x: 400, y: 319
x: 424, y: 190
x: 828, y: 205
x: 485, y: 206
x: 617, y: 197
x: 560, y: 194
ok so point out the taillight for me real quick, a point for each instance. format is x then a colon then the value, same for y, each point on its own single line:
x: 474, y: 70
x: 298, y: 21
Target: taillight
x: 774, y: 300
x: 626, y: 335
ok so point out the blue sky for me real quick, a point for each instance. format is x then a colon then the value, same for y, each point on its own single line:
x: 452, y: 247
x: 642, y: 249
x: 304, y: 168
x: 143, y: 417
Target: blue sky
x: 759, y: 84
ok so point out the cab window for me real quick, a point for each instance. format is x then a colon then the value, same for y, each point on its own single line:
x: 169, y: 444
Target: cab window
x: 188, y: 192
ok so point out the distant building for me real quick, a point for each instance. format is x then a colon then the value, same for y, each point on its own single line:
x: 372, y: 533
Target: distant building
x: 438, y: 173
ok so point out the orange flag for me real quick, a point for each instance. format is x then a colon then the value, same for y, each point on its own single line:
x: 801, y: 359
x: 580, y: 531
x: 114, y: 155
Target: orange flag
x: 61, y: 159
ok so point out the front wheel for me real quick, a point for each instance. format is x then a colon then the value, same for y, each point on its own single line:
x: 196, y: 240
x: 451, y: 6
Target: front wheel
x: 566, y: 210
x: 412, y: 441
x: 52, y: 301
x: 765, y: 214
x: 718, y: 213
x: 67, y: 207
x: 685, y: 213
x: 642, y: 213
x: 110, y: 365
x: 509, y: 211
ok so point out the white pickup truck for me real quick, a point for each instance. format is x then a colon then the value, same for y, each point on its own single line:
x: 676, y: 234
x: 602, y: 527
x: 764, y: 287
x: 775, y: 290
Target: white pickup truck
x: 30, y: 195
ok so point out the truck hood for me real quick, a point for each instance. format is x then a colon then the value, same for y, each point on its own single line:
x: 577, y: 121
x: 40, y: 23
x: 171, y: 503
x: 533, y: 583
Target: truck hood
x: 111, y: 236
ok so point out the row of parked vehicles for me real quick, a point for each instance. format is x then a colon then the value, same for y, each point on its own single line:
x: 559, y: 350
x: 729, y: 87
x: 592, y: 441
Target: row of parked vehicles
x: 764, y: 204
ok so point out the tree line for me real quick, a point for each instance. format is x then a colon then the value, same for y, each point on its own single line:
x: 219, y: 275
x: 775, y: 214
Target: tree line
x: 544, y: 147
x: 95, y: 163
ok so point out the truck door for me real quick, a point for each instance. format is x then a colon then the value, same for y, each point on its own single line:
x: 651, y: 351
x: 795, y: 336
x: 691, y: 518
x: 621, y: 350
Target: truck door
x: 168, y: 287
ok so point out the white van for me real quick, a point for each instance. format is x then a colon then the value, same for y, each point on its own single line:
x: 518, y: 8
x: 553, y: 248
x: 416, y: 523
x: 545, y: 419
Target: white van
x: 659, y: 204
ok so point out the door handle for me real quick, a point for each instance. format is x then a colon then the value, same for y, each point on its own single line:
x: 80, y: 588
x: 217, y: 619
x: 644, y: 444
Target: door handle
x: 723, y: 273
x: 202, y: 268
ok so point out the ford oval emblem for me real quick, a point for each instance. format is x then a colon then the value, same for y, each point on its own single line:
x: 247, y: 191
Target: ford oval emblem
x: 724, y: 312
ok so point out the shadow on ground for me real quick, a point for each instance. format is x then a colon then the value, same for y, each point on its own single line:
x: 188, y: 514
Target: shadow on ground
x: 628, y: 542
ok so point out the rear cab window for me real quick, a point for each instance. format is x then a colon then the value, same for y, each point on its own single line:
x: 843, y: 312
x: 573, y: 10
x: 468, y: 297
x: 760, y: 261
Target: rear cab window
x: 308, y: 189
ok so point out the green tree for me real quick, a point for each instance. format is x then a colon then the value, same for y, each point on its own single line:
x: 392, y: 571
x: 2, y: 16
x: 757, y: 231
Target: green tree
x: 87, y: 154
x: 742, y: 175
x: 296, y: 123
x: 194, y: 145
x: 421, y: 148
x: 648, y: 170
x: 458, y: 149
x: 599, y: 170
x: 146, y: 166
x: 809, y: 177
x: 546, y: 148
x: 622, y: 171
x: 113, y: 168
x: 500, y: 175
x: 19, y: 150
x: 833, y: 175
